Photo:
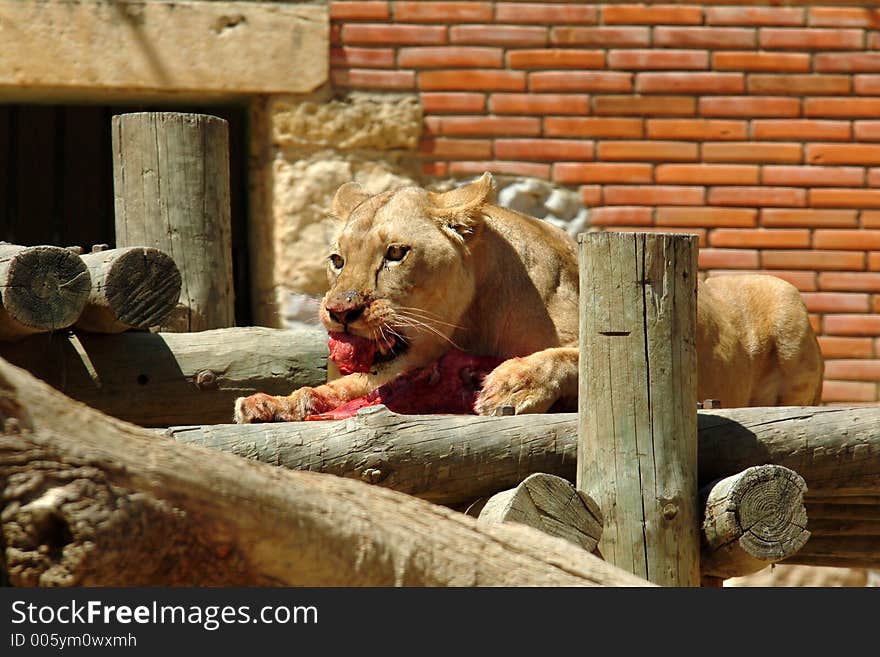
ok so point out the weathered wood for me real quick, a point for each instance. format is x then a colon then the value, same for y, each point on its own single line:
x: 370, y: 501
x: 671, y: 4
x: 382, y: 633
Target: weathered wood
x: 462, y: 460
x: 134, y: 287
x: 637, y: 445
x: 42, y: 288
x: 160, y: 379
x: 752, y: 519
x: 171, y: 184
x: 87, y: 500
x: 551, y: 504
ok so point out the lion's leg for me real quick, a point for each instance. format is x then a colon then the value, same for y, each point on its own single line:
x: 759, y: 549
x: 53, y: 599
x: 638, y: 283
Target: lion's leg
x: 531, y: 384
x: 303, y: 402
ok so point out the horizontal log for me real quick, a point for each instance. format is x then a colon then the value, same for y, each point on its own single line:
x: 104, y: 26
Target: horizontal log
x: 86, y: 500
x: 134, y: 287
x: 42, y: 288
x: 160, y: 379
x: 752, y: 519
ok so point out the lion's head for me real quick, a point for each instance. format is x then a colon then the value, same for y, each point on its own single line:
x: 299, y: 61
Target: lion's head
x: 399, y: 271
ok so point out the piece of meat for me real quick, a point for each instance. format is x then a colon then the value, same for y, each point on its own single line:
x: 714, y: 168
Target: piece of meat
x: 351, y: 353
x: 449, y: 385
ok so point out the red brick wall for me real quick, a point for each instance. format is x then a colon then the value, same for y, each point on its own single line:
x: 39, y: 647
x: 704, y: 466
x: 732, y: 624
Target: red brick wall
x: 757, y: 126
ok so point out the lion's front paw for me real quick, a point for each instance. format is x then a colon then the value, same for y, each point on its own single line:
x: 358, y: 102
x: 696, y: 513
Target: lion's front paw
x: 266, y: 408
x: 517, y: 383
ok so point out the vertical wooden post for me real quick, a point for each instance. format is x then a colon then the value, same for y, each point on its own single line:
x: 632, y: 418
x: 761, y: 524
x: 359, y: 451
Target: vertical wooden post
x: 171, y: 186
x: 637, y: 433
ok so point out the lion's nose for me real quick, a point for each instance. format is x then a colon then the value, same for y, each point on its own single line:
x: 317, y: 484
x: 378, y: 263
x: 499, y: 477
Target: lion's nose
x: 345, y: 315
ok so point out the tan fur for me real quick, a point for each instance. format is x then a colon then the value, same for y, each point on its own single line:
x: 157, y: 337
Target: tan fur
x: 496, y: 282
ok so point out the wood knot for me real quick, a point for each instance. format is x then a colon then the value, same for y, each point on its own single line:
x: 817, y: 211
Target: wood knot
x: 669, y: 511
x: 372, y: 475
x: 206, y: 380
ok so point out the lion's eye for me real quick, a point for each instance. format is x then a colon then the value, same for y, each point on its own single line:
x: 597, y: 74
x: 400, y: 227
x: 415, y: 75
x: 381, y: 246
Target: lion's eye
x: 337, y: 261
x: 396, y: 252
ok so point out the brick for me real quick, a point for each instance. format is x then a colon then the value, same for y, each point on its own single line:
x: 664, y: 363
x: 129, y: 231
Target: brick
x: 658, y: 59
x: 799, y: 85
x: 808, y: 218
x: 867, y: 85
x: 842, y: 107
x: 592, y: 127
x: 467, y: 149
x: 705, y: 37
x: 808, y: 130
x: 653, y: 195
x: 870, y: 219
x: 850, y: 281
x: 335, y: 34
x: 354, y: 11
x: 845, y: 198
x: 601, y: 172
x: 451, y: 56
x: 817, y: 260
x: 555, y: 14
x: 472, y: 80
x: 874, y: 177
x: 443, y: 12
x: 728, y: 259
x: 788, y: 62
x: 858, y: 240
x: 874, y: 265
x: 853, y: 370
x: 754, y: 16
x: 364, y: 78
x: 813, y: 176
x: 851, y: 62
x: 706, y: 216
x: 529, y: 169
x: 437, y: 169
x: 540, y: 104
x: 758, y: 195
x: 393, y: 35
x: 840, y: 347
x: 489, y: 125
x: 690, y: 83
x: 362, y: 57
x: 760, y: 238
x: 852, y: 324
x: 843, y: 153
x: 866, y: 130
x: 707, y: 174
x: 556, y: 58
x: 670, y: 151
x: 844, y: 17
x: 637, y: 14
x: 453, y: 103
x: 772, y: 38
x: 580, y: 81
x: 645, y: 105
x: 750, y: 106
x: 836, y: 302
x: 499, y: 35
x: 544, y: 149
x: 591, y: 195
x: 601, y: 36
x: 696, y: 129
x: 744, y: 151
x: 622, y: 216
x: 848, y: 391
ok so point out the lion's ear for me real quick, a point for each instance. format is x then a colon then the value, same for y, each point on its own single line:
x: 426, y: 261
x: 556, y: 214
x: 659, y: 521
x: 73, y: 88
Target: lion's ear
x: 347, y: 198
x: 459, y: 209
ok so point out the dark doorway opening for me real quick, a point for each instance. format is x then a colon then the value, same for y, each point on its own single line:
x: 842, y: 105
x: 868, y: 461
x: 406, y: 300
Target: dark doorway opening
x: 56, y: 178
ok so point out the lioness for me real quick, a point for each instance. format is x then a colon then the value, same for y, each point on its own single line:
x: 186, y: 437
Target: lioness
x: 416, y: 272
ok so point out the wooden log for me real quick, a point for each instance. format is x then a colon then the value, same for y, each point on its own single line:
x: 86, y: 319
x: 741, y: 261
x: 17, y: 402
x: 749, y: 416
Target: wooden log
x: 42, y: 288
x: 134, y: 287
x: 171, y: 185
x: 86, y: 500
x: 550, y: 504
x: 160, y: 379
x: 637, y: 444
x: 752, y: 519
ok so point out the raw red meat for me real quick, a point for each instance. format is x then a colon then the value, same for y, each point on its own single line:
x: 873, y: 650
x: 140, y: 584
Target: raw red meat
x: 351, y: 353
x: 448, y: 386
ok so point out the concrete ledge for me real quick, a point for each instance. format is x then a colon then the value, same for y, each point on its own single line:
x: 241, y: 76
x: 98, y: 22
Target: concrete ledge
x: 145, y: 47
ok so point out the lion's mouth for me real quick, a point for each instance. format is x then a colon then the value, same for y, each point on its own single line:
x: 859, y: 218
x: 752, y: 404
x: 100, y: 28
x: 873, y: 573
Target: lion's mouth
x: 353, y: 353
